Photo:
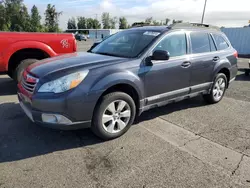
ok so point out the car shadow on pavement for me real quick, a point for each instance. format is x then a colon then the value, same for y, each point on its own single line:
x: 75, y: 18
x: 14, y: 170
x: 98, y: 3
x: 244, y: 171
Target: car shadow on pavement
x: 242, y: 77
x: 21, y: 139
x: 7, y: 86
x: 170, y: 108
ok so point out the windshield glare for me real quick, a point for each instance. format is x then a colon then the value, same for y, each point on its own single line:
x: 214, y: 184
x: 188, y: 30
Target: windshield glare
x: 126, y: 43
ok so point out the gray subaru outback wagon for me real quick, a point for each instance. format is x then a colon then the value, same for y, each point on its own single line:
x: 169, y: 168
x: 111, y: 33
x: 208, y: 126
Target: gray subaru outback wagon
x: 126, y: 74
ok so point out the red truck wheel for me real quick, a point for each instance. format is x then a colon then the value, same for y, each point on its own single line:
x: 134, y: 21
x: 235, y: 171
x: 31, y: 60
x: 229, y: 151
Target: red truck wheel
x: 21, y: 67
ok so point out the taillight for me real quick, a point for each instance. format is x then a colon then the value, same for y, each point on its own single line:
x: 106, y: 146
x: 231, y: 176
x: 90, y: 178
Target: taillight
x: 75, y: 46
x: 236, y: 54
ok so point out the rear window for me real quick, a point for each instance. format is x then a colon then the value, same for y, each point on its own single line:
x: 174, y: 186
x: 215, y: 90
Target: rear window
x: 200, y: 42
x: 220, y: 42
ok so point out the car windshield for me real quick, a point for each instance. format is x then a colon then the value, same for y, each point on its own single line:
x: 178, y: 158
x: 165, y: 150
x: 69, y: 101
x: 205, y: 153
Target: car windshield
x: 127, y: 44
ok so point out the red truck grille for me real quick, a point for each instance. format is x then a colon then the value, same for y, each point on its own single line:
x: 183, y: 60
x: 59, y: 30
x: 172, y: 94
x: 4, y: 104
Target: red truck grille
x: 29, y: 82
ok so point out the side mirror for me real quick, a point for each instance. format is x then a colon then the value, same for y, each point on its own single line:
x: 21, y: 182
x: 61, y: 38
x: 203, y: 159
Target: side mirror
x: 160, y: 55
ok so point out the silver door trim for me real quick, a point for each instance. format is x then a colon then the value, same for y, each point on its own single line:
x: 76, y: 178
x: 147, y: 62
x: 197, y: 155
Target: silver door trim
x: 201, y: 86
x: 168, y: 94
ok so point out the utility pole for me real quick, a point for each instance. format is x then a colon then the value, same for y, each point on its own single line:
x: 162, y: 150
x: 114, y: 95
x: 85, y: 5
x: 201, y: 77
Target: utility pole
x: 204, y: 10
x: 96, y: 26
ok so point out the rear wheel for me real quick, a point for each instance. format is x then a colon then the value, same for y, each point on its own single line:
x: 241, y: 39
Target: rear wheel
x: 114, y: 115
x: 21, y: 67
x: 218, y: 89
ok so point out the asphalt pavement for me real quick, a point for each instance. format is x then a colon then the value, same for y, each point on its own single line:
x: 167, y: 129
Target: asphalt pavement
x: 187, y: 144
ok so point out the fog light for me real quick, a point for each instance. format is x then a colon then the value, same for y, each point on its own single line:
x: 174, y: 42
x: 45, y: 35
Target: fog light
x: 56, y: 119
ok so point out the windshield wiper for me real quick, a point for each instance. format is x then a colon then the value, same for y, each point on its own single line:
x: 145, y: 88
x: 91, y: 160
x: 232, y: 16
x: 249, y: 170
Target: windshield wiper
x: 104, y: 53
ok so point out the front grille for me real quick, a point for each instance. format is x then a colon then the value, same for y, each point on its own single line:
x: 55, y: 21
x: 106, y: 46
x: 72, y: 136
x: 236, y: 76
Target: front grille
x: 29, y: 82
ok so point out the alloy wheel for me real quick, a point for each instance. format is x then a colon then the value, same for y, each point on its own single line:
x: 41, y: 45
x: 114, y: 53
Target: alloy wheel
x: 116, y: 116
x: 219, y: 89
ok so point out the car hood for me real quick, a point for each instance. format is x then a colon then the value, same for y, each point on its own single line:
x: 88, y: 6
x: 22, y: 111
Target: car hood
x: 71, y: 61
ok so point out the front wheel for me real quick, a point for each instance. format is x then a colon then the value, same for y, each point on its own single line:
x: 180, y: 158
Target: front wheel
x: 114, y: 115
x: 218, y: 89
x: 21, y: 67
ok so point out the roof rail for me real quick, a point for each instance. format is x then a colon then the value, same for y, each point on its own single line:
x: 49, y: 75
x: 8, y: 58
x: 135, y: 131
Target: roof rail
x: 140, y: 24
x: 192, y: 25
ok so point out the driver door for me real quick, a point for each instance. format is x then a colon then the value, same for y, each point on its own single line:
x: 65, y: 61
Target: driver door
x: 167, y: 79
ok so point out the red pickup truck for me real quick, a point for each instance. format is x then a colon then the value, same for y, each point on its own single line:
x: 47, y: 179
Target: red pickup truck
x: 19, y: 50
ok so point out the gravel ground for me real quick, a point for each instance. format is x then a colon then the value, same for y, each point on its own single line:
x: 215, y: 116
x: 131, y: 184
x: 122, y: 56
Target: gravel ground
x: 187, y: 144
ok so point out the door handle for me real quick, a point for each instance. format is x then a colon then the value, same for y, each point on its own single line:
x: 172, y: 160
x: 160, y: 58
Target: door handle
x: 186, y: 64
x: 215, y: 59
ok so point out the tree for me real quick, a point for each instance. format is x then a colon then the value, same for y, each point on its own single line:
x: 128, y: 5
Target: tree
x: 52, y: 18
x: 90, y: 24
x: 156, y: 22
x: 123, y: 23
x: 106, y: 20
x: 113, y: 22
x: 93, y: 23
x: 72, y: 23
x: 24, y: 20
x: 35, y: 20
x: 96, y: 24
x: 81, y: 22
x: 3, y: 23
x: 167, y: 21
x: 16, y: 15
x: 12, y: 10
x: 149, y: 20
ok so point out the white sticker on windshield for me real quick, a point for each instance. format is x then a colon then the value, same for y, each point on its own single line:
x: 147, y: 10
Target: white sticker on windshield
x: 152, y: 33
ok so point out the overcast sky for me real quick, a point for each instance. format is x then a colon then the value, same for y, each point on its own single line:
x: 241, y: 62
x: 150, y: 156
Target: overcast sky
x: 229, y: 13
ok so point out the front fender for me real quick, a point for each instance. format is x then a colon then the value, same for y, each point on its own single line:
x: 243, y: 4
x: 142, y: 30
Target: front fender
x: 8, y: 52
x: 123, y: 77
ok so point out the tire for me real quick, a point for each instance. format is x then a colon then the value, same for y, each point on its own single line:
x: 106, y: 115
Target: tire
x: 100, y: 128
x: 10, y: 74
x: 213, y: 98
x: 21, y: 67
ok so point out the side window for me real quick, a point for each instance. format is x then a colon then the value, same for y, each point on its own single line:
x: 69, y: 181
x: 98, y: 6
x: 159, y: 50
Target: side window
x: 212, y: 45
x: 220, y: 42
x: 199, y: 42
x: 175, y: 44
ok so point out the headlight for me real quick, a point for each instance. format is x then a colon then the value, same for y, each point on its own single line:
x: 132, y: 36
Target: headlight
x: 64, y: 83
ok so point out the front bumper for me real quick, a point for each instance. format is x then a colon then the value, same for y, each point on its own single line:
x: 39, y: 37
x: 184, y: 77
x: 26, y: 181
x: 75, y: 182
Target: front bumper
x: 66, y: 111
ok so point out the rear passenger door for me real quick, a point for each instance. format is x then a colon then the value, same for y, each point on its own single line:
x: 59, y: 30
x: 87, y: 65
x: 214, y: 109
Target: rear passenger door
x: 204, y: 57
